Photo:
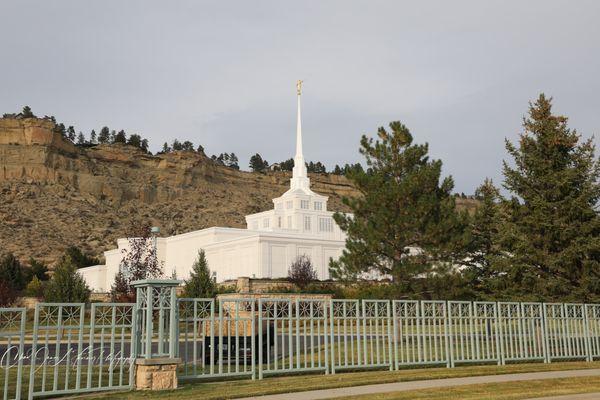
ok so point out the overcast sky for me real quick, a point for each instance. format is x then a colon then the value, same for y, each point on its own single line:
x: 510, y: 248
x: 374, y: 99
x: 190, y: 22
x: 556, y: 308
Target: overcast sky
x: 458, y: 74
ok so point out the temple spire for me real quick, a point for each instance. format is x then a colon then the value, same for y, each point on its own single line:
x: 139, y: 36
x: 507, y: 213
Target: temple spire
x: 299, y: 174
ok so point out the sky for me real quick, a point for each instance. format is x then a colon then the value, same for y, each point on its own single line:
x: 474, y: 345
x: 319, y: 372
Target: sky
x: 459, y: 74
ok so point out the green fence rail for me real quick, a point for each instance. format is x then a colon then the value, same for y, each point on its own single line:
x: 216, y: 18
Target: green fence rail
x: 77, y: 348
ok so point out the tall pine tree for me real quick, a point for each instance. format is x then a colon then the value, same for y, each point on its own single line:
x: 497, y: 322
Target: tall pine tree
x: 552, y: 227
x: 404, y: 224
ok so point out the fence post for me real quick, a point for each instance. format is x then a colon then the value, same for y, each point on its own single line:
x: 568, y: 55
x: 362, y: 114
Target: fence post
x: 395, y: 335
x: 499, y: 344
x: 586, y: 327
x: 260, y: 339
x: 151, y: 368
x: 391, y: 341
x: 449, y: 339
x: 331, y: 326
x: 545, y: 333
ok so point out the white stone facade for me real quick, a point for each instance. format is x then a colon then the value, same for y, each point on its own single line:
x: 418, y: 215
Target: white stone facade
x: 298, y: 224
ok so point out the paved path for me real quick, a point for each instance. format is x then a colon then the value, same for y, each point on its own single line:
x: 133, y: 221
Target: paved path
x: 583, y: 396
x: 429, y: 384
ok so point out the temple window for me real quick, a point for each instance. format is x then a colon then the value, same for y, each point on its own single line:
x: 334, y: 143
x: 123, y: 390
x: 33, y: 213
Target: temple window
x: 307, y: 223
x: 304, y: 204
x: 318, y: 205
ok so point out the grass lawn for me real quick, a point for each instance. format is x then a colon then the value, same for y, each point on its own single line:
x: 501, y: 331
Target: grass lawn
x: 494, y: 391
x: 285, y: 384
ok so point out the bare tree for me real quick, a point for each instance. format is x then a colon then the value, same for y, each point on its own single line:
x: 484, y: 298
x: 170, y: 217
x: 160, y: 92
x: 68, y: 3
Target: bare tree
x: 301, y: 272
x: 139, y: 261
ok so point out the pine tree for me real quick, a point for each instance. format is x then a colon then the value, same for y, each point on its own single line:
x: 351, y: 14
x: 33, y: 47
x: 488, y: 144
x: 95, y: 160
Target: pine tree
x: 38, y: 269
x: 257, y: 164
x: 93, y: 137
x: 166, y: 148
x: 483, y: 243
x: 177, y: 146
x: 11, y: 272
x: 120, y: 137
x: 552, y: 228
x: 121, y: 291
x: 187, y: 146
x: 104, y: 136
x: 80, y: 139
x: 27, y: 113
x: 404, y: 224
x: 71, y: 133
x: 200, y: 284
x: 66, y: 285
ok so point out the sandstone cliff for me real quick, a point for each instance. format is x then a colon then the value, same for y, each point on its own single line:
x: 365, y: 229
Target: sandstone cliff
x: 54, y: 194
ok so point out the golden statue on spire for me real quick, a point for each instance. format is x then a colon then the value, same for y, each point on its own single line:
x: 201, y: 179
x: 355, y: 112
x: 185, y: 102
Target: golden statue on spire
x: 299, y: 86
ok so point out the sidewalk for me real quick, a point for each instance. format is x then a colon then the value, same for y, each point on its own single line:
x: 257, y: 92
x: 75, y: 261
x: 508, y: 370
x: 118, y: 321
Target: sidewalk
x: 436, y: 383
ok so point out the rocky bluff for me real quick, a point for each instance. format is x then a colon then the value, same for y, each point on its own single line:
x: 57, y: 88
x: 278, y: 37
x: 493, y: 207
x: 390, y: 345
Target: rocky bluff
x: 54, y: 194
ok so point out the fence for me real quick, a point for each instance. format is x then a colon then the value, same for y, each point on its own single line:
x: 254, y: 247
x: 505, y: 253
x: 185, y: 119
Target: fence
x: 74, y: 348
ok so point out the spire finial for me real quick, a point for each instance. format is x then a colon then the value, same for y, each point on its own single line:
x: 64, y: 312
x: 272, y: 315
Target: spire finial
x: 299, y: 174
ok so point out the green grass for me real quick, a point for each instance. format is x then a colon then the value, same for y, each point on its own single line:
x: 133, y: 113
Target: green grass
x: 285, y: 384
x: 495, y: 391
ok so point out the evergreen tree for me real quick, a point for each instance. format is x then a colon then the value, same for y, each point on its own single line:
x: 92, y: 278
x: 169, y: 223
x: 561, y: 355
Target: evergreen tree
x: 60, y: 128
x: 38, y: 269
x: 35, y: 288
x: 257, y: 164
x: 552, y: 227
x: 11, y: 272
x: 27, y: 113
x: 483, y: 247
x: 187, y: 146
x: 200, y: 284
x: 144, y: 145
x: 233, y: 161
x: 80, y: 139
x: 177, y: 145
x: 287, y: 165
x: 200, y: 149
x: 404, y: 224
x: 79, y: 258
x: 104, y: 136
x: 93, y: 137
x: 166, y: 148
x: 337, y: 170
x: 66, y: 285
x: 135, y: 140
x: 71, y: 133
x: 120, y: 137
x: 121, y: 291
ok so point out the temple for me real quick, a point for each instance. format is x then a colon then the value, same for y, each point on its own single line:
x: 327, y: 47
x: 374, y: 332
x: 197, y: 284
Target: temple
x: 298, y: 224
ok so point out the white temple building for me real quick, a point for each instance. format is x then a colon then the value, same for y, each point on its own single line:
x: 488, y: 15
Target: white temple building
x: 298, y: 224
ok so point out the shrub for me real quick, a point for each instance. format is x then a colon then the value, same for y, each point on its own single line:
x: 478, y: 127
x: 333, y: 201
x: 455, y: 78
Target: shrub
x: 200, y: 284
x: 35, y: 288
x: 66, y: 285
x: 301, y: 272
x: 7, y: 294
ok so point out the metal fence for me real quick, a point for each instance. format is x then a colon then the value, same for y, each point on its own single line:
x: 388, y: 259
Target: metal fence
x: 74, y: 348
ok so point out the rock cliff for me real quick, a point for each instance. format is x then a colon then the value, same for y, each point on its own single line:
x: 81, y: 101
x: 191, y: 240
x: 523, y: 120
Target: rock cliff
x: 54, y: 194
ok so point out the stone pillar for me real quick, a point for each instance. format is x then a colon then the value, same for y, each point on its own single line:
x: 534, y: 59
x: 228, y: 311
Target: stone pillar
x: 243, y: 285
x: 156, y: 373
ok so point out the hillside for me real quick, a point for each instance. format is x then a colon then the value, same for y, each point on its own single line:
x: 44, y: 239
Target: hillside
x: 54, y: 194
